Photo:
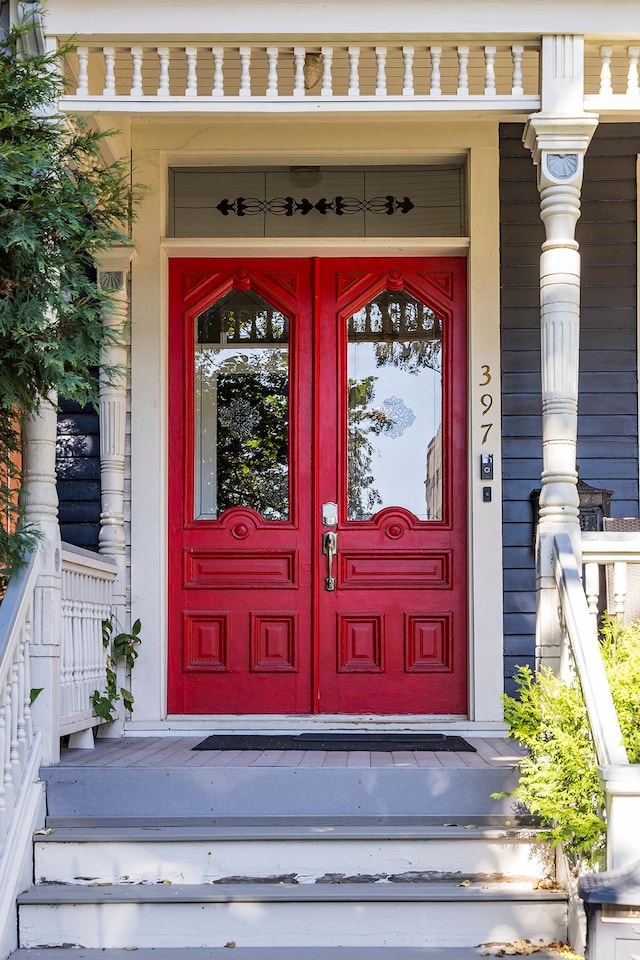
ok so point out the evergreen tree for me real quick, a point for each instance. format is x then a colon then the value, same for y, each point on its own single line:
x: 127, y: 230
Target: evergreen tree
x: 61, y: 205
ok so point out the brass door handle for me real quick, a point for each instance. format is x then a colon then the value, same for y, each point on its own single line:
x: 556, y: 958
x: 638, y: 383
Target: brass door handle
x: 330, y: 548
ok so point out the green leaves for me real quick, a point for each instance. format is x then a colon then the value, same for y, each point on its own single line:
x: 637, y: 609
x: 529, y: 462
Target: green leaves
x: 119, y: 646
x: 61, y: 205
x: 559, y: 779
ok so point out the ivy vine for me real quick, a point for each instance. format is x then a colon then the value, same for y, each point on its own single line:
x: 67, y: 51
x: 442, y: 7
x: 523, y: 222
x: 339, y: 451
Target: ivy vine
x: 120, y: 647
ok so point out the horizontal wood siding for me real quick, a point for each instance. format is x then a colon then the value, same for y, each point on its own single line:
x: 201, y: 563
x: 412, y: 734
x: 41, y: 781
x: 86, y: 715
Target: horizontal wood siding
x: 78, y: 473
x: 608, y: 405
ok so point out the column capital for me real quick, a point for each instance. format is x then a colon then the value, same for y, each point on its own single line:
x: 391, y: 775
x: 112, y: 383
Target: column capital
x: 558, y: 145
x: 113, y: 265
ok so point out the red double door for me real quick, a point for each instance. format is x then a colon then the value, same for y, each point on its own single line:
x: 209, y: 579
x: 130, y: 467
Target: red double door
x: 317, y: 486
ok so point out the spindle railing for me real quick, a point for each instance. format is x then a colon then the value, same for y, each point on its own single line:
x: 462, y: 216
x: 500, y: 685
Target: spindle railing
x: 86, y: 604
x: 168, y: 76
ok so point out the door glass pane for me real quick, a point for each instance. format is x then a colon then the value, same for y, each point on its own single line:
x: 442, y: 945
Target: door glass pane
x: 394, y: 423
x: 241, y: 408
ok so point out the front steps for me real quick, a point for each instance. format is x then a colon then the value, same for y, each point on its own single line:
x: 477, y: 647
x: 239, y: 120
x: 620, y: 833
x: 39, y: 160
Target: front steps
x: 259, y: 915
x: 281, y: 850
x: 337, y: 865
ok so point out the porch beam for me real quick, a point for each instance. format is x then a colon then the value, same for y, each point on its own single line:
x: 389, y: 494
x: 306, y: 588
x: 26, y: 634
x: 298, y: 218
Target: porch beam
x: 113, y: 269
x: 558, y: 138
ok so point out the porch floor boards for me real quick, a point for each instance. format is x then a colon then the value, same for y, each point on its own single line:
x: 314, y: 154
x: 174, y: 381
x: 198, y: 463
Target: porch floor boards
x: 178, y: 752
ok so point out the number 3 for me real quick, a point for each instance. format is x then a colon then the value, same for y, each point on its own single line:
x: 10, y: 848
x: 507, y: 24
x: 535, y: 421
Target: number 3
x: 486, y: 374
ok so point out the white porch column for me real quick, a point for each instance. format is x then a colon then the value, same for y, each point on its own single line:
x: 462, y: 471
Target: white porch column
x: 113, y: 268
x: 41, y: 511
x: 558, y: 138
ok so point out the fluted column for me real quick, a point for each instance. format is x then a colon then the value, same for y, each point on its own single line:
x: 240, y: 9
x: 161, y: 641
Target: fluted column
x: 113, y: 268
x: 558, y: 145
x: 41, y: 511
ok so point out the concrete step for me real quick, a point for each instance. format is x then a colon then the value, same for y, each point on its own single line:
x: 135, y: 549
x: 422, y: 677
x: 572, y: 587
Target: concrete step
x: 300, y: 850
x: 274, y: 953
x: 256, y: 791
x: 289, y: 915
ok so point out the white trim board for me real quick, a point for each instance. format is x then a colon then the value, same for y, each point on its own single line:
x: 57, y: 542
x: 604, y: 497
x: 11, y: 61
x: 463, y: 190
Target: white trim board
x: 203, y: 726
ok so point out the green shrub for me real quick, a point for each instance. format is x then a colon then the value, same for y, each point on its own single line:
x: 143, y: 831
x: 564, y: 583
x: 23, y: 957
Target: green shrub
x: 559, y: 779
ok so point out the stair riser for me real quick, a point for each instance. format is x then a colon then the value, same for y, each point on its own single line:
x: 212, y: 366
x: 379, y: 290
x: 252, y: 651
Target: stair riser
x: 202, y: 862
x: 277, y: 791
x: 290, y: 924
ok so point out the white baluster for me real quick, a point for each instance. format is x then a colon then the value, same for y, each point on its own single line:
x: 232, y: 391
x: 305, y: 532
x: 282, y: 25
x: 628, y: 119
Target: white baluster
x: 15, y: 713
x: 381, y: 71
x: 86, y: 636
x: 489, y: 71
x: 517, y: 53
x: 463, y: 72
x: 407, y: 79
x: 619, y: 587
x: 3, y: 735
x: 66, y: 654
x: 192, y: 76
x: 354, y: 71
x: 20, y: 658
x: 605, y: 71
x: 163, y: 79
x: 327, y: 63
x: 109, y: 54
x: 435, y: 89
x: 82, y: 90
x: 76, y: 638
x: 136, y: 78
x: 299, y: 55
x: 218, y: 71
x: 272, y: 75
x: 592, y: 589
x: 632, y: 73
x: 245, y: 71
x: 27, y: 677
x: 8, y: 719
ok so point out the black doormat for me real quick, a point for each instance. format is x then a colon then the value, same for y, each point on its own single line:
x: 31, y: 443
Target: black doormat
x: 338, y: 742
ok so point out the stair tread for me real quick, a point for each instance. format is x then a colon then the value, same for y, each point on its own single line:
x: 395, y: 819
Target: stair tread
x: 263, y: 953
x: 61, y: 893
x: 182, y: 833
x: 481, y: 820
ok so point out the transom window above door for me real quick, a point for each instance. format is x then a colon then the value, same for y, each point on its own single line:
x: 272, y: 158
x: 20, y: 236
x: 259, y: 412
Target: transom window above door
x: 313, y: 201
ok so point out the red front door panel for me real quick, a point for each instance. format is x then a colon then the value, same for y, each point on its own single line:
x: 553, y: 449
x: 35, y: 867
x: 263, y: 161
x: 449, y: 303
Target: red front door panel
x: 253, y: 627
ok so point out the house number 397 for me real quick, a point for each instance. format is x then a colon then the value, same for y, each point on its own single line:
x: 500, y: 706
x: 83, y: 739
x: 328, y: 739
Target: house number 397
x: 486, y: 401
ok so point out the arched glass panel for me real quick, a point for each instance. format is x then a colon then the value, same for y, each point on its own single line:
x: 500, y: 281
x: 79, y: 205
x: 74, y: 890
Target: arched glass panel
x: 394, y: 423
x: 241, y: 369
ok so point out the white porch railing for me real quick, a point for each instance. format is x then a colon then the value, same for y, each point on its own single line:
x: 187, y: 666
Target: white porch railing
x: 611, y: 77
x: 455, y: 74
x: 616, y: 552
x: 86, y: 603
x: 209, y: 76
x: 16, y: 734
x: 21, y: 792
x: 620, y: 779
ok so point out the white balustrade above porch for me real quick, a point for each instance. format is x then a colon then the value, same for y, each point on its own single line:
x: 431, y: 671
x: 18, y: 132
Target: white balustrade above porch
x: 456, y: 74
x: 611, y: 77
x: 204, y: 76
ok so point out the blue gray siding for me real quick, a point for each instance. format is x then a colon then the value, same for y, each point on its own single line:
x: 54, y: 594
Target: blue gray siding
x: 608, y: 428
x: 78, y: 472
